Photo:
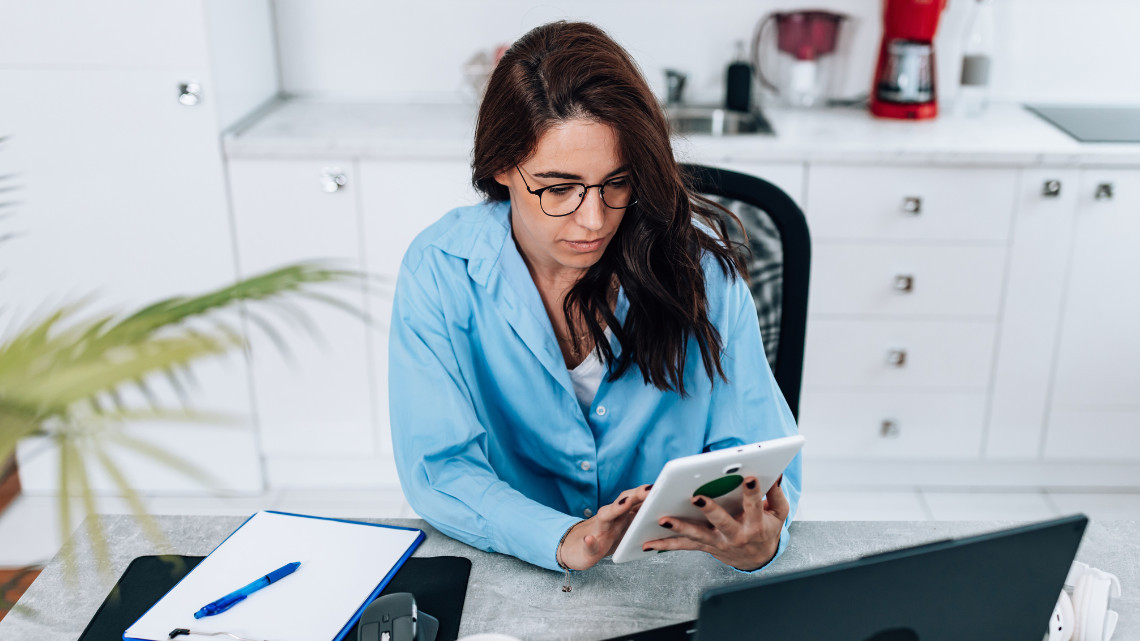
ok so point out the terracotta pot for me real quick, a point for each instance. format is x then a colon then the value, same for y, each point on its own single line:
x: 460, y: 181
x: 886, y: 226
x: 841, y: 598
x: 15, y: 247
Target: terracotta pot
x: 9, y: 482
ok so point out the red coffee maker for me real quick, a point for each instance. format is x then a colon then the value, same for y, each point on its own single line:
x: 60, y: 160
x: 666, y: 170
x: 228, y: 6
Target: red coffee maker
x: 904, y: 76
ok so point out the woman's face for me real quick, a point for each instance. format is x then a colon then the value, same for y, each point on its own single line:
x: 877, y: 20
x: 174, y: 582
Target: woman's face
x: 573, y: 151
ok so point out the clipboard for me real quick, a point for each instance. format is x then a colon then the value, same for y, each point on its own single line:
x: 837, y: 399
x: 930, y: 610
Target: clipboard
x: 344, y: 566
x: 438, y: 583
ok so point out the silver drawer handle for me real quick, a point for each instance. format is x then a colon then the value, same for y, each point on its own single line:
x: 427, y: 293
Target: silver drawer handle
x: 896, y: 357
x: 1051, y: 188
x: 189, y: 93
x: 904, y: 283
x: 912, y: 205
x: 332, y: 179
x: 1103, y: 191
x: 889, y: 428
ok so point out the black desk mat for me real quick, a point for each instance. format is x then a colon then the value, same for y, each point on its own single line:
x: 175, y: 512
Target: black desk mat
x: 438, y: 583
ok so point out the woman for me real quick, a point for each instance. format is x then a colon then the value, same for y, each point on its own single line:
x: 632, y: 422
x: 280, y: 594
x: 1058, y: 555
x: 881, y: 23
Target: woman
x: 552, y: 348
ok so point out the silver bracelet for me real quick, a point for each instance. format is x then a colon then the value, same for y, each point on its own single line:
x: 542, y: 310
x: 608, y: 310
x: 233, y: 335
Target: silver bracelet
x: 558, y: 558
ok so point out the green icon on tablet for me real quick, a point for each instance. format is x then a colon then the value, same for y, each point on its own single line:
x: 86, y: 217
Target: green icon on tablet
x: 720, y: 487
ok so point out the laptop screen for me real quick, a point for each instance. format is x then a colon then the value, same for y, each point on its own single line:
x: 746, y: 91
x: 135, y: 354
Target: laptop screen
x: 1001, y: 586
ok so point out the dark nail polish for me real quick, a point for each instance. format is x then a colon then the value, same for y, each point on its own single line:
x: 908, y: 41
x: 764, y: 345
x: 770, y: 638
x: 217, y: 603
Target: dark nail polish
x: 751, y: 484
x: 648, y: 487
x: 667, y: 525
x: 650, y: 550
x: 622, y: 501
x: 699, y: 502
x: 780, y: 481
x: 710, y: 526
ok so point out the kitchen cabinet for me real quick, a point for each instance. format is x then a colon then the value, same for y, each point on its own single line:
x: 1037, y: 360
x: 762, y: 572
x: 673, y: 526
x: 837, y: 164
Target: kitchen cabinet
x: 903, y: 312
x: 399, y: 199
x: 1032, y: 302
x: 224, y: 48
x: 929, y: 340
x: 119, y: 34
x: 122, y: 193
x: 941, y: 322
x: 323, y: 413
x: 315, y: 398
x: 1095, y: 407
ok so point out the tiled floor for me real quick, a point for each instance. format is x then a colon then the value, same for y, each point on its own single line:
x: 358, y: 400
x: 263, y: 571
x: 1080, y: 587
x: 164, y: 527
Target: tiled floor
x: 30, y: 533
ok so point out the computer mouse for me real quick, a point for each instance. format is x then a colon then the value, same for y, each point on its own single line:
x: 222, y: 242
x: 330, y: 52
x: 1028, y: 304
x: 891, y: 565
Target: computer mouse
x: 394, y: 617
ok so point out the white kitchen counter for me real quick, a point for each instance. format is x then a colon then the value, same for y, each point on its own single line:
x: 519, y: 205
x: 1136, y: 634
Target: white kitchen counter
x: 1004, y: 135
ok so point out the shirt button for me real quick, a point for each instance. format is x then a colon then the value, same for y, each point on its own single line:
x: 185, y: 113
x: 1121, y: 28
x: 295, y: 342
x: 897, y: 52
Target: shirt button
x: 585, y: 465
x: 588, y: 512
x: 601, y: 410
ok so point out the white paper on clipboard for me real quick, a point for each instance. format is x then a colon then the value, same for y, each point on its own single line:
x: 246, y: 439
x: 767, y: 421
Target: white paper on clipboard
x: 343, y: 565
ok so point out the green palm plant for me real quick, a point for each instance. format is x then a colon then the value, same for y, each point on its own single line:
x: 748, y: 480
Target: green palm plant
x: 64, y: 375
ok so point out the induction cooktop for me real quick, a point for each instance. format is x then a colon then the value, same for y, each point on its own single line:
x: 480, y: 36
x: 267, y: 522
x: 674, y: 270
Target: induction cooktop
x: 1088, y: 123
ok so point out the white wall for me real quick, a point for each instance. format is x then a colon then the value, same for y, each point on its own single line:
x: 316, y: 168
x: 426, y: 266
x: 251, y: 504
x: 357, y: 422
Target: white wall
x: 1078, y: 50
x: 1050, y: 50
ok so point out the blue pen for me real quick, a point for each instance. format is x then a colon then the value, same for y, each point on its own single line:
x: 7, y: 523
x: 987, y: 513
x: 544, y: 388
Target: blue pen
x: 228, y: 601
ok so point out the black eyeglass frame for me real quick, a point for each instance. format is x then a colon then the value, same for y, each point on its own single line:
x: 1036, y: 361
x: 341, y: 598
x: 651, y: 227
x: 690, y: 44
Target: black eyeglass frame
x: 585, y: 190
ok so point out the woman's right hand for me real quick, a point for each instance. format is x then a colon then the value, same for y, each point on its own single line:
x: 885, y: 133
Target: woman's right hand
x: 598, y: 536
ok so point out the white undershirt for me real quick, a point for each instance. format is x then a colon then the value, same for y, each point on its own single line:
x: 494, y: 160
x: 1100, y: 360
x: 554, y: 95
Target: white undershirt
x: 587, y: 377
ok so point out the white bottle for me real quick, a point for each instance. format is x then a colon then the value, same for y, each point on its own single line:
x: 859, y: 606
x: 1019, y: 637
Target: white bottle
x: 977, y: 52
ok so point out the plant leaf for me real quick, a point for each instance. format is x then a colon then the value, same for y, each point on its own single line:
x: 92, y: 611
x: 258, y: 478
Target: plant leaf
x: 148, y: 524
x: 66, y: 376
x: 93, y: 522
x: 166, y: 458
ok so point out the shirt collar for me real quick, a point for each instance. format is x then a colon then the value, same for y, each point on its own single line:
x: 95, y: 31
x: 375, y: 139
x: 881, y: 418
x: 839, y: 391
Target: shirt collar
x: 494, y: 262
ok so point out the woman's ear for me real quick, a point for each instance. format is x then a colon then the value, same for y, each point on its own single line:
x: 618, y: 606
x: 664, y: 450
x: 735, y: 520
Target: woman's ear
x: 503, y: 178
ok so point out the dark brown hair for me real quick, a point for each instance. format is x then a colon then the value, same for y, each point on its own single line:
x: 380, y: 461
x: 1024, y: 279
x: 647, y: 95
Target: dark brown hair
x: 563, y: 71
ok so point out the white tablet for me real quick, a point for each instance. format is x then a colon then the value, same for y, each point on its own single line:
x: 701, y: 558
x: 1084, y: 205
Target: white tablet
x: 718, y: 475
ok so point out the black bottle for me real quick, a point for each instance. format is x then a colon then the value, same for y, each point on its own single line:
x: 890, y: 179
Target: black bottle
x: 738, y: 83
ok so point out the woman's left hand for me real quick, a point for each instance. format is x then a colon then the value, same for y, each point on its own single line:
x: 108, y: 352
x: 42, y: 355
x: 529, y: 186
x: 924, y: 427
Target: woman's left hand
x: 746, y: 542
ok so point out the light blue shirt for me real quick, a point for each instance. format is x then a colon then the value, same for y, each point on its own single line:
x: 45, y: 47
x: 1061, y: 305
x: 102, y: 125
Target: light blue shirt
x: 491, y: 445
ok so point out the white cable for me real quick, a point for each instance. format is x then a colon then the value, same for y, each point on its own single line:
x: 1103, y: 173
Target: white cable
x: 181, y: 631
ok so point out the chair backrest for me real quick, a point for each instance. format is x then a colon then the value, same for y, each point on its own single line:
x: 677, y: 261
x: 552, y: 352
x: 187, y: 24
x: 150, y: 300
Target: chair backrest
x: 779, y: 267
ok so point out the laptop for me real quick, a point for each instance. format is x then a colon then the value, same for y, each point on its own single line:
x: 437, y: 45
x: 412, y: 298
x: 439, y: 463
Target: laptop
x: 1000, y: 586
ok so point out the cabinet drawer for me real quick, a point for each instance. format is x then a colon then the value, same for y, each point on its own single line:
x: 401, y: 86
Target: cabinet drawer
x: 906, y: 203
x: 884, y: 425
x: 896, y: 354
x: 892, y: 279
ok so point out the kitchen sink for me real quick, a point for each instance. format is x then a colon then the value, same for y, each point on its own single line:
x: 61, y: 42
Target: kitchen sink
x: 716, y: 121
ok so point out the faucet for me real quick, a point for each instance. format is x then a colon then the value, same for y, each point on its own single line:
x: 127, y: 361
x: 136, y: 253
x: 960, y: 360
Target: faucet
x: 674, y: 86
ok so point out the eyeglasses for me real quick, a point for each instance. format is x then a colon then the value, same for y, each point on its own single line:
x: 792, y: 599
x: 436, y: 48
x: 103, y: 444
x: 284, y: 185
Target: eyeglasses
x: 564, y: 199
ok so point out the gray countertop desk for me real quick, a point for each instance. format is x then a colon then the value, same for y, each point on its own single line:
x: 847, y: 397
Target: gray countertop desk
x: 507, y: 595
